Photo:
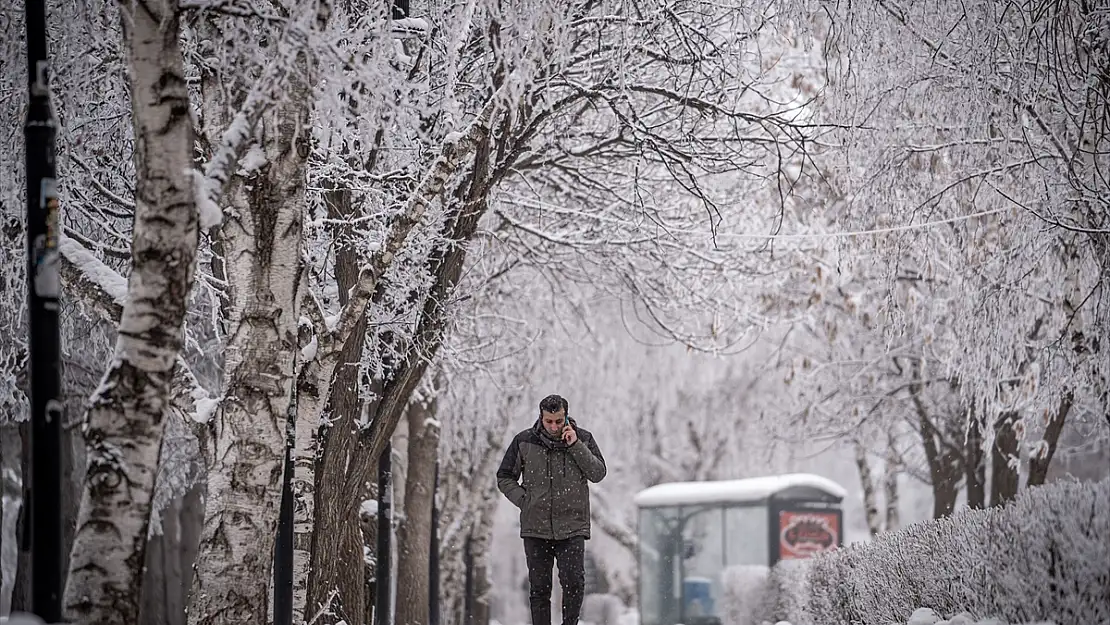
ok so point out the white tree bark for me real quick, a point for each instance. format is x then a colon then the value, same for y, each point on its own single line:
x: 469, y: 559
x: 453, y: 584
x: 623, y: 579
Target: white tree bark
x: 124, y: 423
x: 261, y: 241
x: 312, y: 395
x: 260, y: 245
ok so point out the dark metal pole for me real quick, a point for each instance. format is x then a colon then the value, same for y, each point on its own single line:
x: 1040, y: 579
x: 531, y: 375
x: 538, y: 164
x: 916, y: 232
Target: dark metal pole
x: 468, y: 582
x: 433, y: 557
x: 383, y: 608
x: 44, y: 482
x: 283, y: 546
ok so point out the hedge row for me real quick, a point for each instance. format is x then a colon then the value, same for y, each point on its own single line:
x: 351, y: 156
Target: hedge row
x: 1044, y: 556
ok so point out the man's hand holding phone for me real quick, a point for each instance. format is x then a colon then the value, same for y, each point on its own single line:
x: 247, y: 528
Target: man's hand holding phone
x: 570, y: 437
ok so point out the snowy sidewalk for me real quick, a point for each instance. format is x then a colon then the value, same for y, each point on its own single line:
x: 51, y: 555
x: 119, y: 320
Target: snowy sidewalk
x: 926, y: 616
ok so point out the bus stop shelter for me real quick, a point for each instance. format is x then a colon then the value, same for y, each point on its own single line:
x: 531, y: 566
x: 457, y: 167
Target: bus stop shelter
x: 691, y: 532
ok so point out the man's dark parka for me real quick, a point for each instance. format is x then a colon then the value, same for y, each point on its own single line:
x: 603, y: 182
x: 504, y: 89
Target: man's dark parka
x: 553, y: 496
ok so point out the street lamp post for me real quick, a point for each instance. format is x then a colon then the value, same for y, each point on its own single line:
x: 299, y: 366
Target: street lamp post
x: 433, y: 557
x: 383, y: 608
x: 43, y: 478
x: 283, y: 545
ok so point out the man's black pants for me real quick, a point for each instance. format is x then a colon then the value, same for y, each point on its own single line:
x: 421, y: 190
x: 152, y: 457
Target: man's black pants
x: 541, y: 554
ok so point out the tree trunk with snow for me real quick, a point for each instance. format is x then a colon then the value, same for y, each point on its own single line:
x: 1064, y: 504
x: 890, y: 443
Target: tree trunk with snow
x: 313, y: 382
x: 1041, y: 458
x: 260, y: 242
x: 348, y: 453
x: 462, y: 507
x: 414, y: 535
x: 1004, y: 454
x: 870, y: 507
x: 975, y: 469
x: 400, y: 467
x: 335, y: 583
x: 944, y: 459
x: 124, y: 422
x: 482, y: 539
x: 890, y: 482
x: 446, y: 263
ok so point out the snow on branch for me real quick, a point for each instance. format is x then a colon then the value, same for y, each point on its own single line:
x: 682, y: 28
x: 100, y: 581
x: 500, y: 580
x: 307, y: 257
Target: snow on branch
x: 105, y: 290
x: 266, y: 91
x: 97, y: 284
x: 194, y: 402
x: 313, y: 317
x: 456, y: 147
x: 235, y: 8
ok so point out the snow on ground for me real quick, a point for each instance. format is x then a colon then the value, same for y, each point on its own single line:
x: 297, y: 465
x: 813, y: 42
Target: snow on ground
x: 920, y: 616
x: 926, y: 616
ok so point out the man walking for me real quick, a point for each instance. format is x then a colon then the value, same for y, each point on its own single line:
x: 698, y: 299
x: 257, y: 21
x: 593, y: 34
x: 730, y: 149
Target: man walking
x: 555, y: 458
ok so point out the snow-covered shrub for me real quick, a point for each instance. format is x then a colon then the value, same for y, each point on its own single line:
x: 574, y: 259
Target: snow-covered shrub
x: 787, y: 592
x: 927, y: 616
x: 1044, y: 556
x: 744, y: 593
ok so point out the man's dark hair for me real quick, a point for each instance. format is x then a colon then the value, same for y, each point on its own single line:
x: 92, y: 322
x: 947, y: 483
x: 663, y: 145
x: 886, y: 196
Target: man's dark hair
x: 554, y: 403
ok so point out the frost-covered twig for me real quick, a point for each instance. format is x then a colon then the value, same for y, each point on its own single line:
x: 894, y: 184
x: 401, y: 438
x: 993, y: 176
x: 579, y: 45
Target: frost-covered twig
x: 324, y: 609
x: 267, y: 90
x: 456, y: 147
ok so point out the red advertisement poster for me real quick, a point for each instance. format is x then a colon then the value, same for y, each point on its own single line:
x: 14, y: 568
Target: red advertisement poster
x: 803, y: 534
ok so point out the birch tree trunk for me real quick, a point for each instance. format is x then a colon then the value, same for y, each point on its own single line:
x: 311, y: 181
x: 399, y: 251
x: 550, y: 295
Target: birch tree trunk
x: 124, y: 421
x: 890, y: 482
x: 870, y: 507
x: 261, y: 243
x: 312, y: 387
x: 414, y: 536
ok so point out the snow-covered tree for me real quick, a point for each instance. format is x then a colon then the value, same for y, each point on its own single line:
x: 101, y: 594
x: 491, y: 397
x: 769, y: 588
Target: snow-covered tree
x: 1001, y: 146
x: 257, y: 145
x: 931, y: 293
x: 484, y: 82
x: 123, y: 428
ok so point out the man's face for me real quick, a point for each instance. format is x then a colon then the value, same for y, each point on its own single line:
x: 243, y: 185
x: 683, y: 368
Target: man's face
x: 553, y: 422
